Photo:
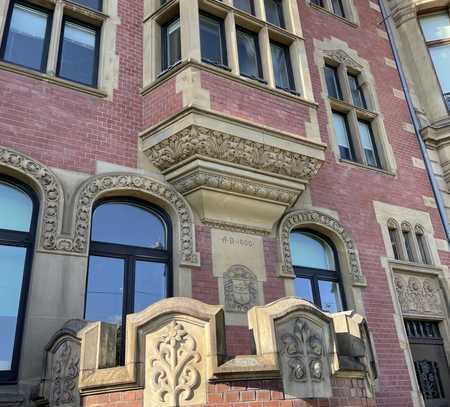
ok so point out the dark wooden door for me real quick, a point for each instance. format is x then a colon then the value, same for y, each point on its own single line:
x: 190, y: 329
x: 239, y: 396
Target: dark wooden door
x: 430, y: 362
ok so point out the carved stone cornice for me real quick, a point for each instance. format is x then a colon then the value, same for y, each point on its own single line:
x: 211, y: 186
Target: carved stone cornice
x: 196, y: 141
x: 341, y: 57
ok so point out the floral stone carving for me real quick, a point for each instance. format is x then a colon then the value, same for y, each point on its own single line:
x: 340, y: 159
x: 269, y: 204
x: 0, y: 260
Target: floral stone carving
x: 418, y: 295
x: 175, y: 367
x: 240, y: 286
x: 303, y: 358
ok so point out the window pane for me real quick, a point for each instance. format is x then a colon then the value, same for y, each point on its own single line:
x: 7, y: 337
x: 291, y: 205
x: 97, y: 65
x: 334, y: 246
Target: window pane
x: 303, y: 289
x: 330, y: 296
x: 342, y: 136
x: 16, y: 208
x: 281, y: 66
x: 357, y: 93
x: 338, y: 8
x: 408, y: 245
x: 173, y: 43
x: 211, y: 40
x: 423, y: 248
x: 367, y: 143
x: 317, y: 2
x: 331, y: 78
x: 150, y: 284
x: 394, y: 242
x: 274, y: 12
x: 245, y: 5
x: 436, y: 26
x: 94, y: 4
x: 78, y: 59
x: 104, y: 300
x: 25, y: 44
x: 248, y: 54
x: 129, y: 225
x: 12, y: 262
x: 441, y: 60
x: 311, y: 251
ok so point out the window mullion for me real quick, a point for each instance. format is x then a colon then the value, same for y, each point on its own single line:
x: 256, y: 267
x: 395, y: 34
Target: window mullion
x: 260, y: 10
x: 266, y: 56
x: 231, y: 40
x: 354, y: 134
x: 190, y: 30
x: 328, y: 5
x: 55, y: 38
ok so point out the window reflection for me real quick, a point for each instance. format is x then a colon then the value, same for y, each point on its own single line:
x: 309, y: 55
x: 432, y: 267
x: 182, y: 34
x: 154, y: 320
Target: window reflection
x: 16, y: 208
x: 311, y: 251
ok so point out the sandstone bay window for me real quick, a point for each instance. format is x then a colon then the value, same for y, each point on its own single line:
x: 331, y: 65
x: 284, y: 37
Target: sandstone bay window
x: 436, y: 31
x: 249, y: 56
x: 18, y: 212
x: 129, y: 262
x: 316, y: 267
x: 212, y: 40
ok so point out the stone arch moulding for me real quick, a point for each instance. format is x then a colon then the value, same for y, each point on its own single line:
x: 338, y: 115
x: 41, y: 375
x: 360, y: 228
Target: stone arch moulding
x: 109, y: 184
x: 51, y: 195
x: 298, y: 218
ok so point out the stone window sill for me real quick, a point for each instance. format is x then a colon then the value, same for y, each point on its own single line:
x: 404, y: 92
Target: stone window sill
x: 412, y: 266
x: 51, y: 79
x: 367, y: 167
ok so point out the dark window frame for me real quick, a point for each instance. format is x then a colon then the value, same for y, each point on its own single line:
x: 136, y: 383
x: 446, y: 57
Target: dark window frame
x: 353, y: 157
x: 314, y: 274
x: 279, y: 5
x: 164, y: 46
x: 260, y: 78
x: 252, y: 7
x: 338, y: 87
x: 394, y: 237
x: 422, y: 244
x: 374, y: 145
x: 27, y: 240
x: 48, y: 31
x: 223, y: 40
x: 130, y: 255
x: 289, y: 66
x: 97, y: 50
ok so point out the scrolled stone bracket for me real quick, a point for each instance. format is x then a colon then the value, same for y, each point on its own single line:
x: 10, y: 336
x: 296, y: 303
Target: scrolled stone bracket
x: 298, y: 218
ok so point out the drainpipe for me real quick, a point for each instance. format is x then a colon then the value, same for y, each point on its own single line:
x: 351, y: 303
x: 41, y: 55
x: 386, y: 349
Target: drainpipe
x: 416, y: 123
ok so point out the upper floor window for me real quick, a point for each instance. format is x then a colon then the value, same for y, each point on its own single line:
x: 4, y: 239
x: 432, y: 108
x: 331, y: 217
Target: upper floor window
x: 357, y: 91
x: 248, y: 53
x: 18, y: 211
x: 409, y: 244
x: 316, y: 267
x: 212, y: 40
x: 436, y: 31
x: 343, y: 138
x: 171, y: 44
x: 245, y: 5
x: 94, y: 4
x: 274, y: 12
x: 129, y: 262
x: 394, y: 238
x: 422, y: 244
x: 282, y: 68
x: 337, y: 8
x: 333, y: 86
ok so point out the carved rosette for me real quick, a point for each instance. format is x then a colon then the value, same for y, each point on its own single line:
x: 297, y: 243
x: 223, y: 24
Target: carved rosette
x: 298, y: 218
x: 240, y: 287
x: 418, y: 295
x: 195, y: 141
x: 175, y: 371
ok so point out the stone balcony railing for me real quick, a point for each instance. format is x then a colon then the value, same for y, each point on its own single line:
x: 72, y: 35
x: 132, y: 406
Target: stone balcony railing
x: 176, y: 347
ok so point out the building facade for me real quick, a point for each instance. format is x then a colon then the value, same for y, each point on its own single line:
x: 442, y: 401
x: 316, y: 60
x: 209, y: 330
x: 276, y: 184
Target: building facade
x: 220, y: 203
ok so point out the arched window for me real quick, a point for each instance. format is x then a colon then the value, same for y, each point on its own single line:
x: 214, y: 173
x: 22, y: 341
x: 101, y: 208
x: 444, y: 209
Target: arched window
x: 18, y: 212
x: 129, y: 261
x: 395, y: 239
x: 316, y: 268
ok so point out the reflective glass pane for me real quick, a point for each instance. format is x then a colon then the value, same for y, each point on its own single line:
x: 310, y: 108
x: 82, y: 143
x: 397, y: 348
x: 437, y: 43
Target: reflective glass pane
x: 12, y: 262
x: 94, y: 4
x: 331, y: 77
x: 150, y: 284
x: 274, y: 12
x: 441, y: 60
x: 245, y: 5
x: 173, y: 43
x: 408, y: 244
x: 16, y: 208
x: 128, y: 224
x: 211, y: 40
x: 281, y: 67
x: 248, y: 54
x: 311, y: 251
x: 394, y: 242
x: 436, y: 26
x: 78, y: 59
x: 367, y: 144
x: 303, y: 288
x: 357, y: 93
x: 330, y: 296
x: 25, y: 43
x: 338, y: 8
x: 342, y: 136
x: 104, y: 299
x: 423, y: 248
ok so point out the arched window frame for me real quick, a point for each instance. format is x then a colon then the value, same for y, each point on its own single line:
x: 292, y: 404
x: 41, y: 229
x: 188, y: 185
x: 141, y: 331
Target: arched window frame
x: 131, y: 254
x: 409, y: 243
x: 395, y: 239
x: 422, y: 245
x: 314, y: 274
x: 28, y: 240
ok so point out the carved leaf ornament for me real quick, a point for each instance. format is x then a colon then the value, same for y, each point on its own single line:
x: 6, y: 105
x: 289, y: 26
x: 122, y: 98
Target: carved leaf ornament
x: 65, y: 375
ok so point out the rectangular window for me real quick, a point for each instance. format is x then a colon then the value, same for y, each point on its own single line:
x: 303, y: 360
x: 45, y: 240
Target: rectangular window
x: 274, y: 12
x: 330, y: 296
x: 27, y: 37
x: 394, y: 242
x: 343, y: 136
x: 245, y: 5
x: 408, y: 245
x: 248, y: 53
x: 338, y: 8
x: 436, y: 26
x: 171, y: 44
x: 212, y: 39
x: 368, y: 144
x: 423, y: 248
x: 282, y: 68
x: 78, y: 54
x: 94, y: 4
x: 331, y: 77
x: 441, y: 59
x: 357, y: 92
x: 150, y: 284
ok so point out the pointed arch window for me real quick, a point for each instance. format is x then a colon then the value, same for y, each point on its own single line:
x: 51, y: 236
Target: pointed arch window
x: 316, y: 266
x: 18, y: 213
x: 129, y: 262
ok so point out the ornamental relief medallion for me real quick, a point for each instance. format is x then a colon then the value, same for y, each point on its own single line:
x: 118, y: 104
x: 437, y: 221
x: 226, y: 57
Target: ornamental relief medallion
x: 241, y: 289
x: 175, y: 367
x: 298, y: 218
x: 418, y: 295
